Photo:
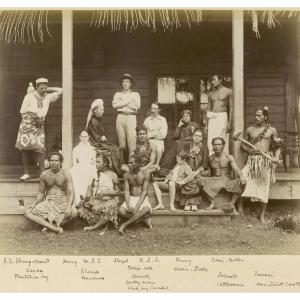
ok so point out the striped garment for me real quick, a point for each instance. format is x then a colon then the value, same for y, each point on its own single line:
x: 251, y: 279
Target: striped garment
x: 213, y: 185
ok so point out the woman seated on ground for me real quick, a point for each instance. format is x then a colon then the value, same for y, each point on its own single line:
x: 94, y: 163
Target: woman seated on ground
x: 180, y: 175
x: 144, y: 151
x: 199, y: 163
x: 83, y: 169
x: 183, y: 136
x: 101, y: 203
x: 98, y: 139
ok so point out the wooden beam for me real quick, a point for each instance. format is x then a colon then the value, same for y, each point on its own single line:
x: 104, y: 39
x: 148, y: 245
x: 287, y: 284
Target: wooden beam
x: 238, y: 79
x: 67, y: 75
x: 297, y: 104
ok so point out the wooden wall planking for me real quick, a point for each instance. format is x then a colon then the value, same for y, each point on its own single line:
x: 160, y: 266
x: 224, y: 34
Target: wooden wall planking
x: 145, y: 55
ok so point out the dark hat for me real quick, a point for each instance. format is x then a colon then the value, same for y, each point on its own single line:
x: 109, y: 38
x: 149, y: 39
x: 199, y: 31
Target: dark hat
x: 127, y: 76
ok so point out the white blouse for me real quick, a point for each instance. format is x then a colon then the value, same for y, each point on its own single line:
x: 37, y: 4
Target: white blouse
x: 84, y: 154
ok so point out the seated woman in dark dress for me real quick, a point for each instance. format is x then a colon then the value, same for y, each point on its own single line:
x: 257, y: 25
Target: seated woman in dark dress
x: 97, y: 136
x: 199, y: 163
x: 183, y: 136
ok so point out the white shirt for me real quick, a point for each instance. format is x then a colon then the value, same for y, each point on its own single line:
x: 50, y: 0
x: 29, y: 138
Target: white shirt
x: 157, y: 127
x: 33, y: 102
x: 127, y: 101
x: 84, y: 154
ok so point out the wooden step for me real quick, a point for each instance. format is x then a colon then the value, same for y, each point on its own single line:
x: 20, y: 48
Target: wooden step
x: 186, y: 218
x: 12, y: 190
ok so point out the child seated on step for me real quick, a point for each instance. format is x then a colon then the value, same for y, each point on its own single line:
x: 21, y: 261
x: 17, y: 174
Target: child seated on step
x: 180, y: 175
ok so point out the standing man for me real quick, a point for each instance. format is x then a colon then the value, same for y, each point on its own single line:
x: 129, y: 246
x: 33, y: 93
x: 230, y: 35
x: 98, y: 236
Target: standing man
x: 127, y: 103
x: 31, y: 135
x: 136, y: 206
x: 55, y: 197
x: 219, y: 112
x: 260, y: 170
x: 157, y: 128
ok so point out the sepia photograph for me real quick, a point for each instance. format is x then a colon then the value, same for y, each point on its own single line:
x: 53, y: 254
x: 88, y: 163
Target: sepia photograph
x: 149, y: 132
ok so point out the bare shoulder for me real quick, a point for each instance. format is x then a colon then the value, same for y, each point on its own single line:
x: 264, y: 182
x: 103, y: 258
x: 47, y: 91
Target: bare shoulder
x: 66, y: 173
x: 126, y: 175
x: 211, y: 157
x: 230, y: 157
x: 227, y: 90
x: 145, y: 174
x: 273, y: 130
x: 249, y: 129
x: 44, y: 174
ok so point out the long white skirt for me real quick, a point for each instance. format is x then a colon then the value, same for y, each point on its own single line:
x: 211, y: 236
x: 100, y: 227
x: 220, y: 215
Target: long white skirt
x: 82, y: 176
x: 217, y: 127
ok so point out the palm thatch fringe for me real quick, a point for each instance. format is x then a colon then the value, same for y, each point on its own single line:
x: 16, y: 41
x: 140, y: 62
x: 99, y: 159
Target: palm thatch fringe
x: 270, y: 18
x: 27, y: 26
x: 23, y: 26
x: 132, y: 19
x: 169, y: 19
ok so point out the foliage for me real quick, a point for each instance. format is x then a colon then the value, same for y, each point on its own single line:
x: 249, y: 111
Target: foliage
x: 288, y: 223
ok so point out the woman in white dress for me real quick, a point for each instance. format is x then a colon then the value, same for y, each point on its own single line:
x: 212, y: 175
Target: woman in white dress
x: 83, y: 169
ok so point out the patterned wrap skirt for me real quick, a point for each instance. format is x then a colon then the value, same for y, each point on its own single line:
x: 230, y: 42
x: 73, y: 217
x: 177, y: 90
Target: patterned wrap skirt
x: 52, y: 209
x: 31, y: 134
x: 100, y: 207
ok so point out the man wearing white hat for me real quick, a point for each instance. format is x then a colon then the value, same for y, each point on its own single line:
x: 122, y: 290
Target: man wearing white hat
x: 31, y: 134
x: 127, y: 103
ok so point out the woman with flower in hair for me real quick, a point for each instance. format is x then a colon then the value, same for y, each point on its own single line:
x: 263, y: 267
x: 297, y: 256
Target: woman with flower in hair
x: 101, y: 202
x: 144, y: 151
x: 259, y: 169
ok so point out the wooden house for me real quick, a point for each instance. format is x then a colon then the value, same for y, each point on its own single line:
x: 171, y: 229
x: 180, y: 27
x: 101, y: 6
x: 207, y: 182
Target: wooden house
x: 86, y: 52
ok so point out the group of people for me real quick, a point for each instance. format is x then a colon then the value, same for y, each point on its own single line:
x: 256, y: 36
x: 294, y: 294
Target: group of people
x: 192, y: 169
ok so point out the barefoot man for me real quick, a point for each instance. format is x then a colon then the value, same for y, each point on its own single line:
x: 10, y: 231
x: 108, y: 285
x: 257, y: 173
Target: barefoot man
x: 219, y: 112
x: 260, y: 171
x: 136, y: 206
x: 54, y: 200
x: 221, y: 165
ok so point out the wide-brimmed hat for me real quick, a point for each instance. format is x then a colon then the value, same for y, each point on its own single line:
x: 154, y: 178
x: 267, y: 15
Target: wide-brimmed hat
x: 127, y: 76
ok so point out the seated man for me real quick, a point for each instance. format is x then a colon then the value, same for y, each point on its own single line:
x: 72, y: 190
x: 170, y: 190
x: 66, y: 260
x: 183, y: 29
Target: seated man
x: 221, y: 165
x: 157, y: 129
x: 55, y: 197
x: 136, y: 206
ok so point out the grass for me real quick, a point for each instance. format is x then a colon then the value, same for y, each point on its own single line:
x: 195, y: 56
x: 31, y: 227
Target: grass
x: 241, y: 236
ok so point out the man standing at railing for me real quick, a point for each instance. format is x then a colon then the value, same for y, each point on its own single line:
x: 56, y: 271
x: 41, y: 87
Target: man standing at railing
x: 127, y: 103
x: 31, y: 135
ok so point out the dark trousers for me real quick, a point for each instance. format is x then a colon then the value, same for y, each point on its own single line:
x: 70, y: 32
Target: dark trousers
x: 40, y: 157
